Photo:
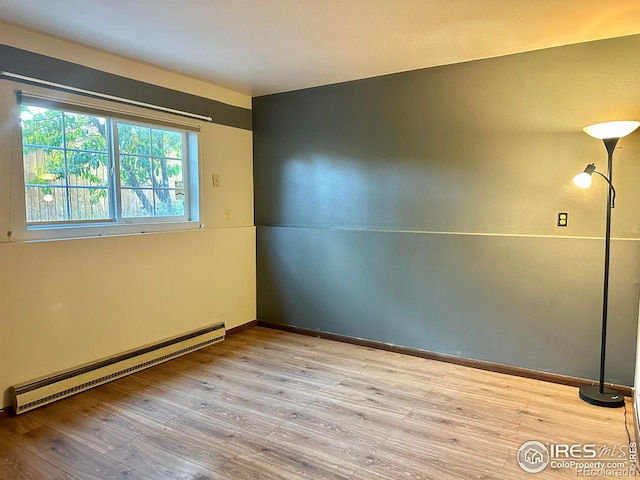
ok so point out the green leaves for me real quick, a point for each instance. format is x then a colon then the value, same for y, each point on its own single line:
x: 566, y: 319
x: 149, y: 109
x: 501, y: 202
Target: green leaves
x: 41, y: 126
x: 134, y: 139
x: 166, y: 143
x: 82, y: 132
x: 150, y: 162
x: 135, y: 171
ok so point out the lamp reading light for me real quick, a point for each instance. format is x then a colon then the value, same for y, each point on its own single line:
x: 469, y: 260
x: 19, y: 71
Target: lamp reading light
x: 609, y: 133
x: 583, y: 179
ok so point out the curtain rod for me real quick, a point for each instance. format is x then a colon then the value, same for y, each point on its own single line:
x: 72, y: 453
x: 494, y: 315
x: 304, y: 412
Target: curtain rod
x: 105, y: 96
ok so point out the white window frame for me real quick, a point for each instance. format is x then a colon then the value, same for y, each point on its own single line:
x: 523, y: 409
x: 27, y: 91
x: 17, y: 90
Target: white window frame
x: 22, y: 231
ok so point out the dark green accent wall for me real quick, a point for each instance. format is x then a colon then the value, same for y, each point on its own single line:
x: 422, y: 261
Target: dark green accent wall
x: 420, y: 208
x: 42, y: 67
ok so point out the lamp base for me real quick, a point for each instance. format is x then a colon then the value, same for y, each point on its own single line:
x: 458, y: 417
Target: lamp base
x: 608, y: 398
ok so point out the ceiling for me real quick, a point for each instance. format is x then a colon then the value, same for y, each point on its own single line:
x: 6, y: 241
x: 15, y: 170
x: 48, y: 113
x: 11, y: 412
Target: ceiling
x: 259, y: 47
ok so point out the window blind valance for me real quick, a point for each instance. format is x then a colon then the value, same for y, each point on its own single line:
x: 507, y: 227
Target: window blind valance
x: 52, y: 101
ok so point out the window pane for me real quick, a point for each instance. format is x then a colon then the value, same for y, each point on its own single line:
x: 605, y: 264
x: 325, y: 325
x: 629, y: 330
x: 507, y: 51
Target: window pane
x: 87, y: 169
x: 169, y: 203
x: 166, y: 143
x: 167, y: 172
x: 89, y: 203
x: 134, y: 139
x: 43, y: 165
x: 135, y: 171
x: 84, y: 132
x: 137, y: 202
x: 46, y: 204
x: 41, y: 126
x: 80, y: 160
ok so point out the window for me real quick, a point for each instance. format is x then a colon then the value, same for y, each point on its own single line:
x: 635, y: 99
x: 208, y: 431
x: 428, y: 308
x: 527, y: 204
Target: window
x: 85, y: 168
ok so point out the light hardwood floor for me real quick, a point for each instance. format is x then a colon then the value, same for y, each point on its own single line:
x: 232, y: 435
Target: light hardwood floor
x: 266, y: 404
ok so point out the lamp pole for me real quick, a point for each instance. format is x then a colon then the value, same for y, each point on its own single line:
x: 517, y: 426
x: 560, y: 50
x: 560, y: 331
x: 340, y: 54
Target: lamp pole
x: 610, y: 144
x: 599, y: 394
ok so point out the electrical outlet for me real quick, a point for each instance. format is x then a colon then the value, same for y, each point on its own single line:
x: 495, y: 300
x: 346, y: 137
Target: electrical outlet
x: 215, y: 179
x: 563, y: 219
x: 227, y: 215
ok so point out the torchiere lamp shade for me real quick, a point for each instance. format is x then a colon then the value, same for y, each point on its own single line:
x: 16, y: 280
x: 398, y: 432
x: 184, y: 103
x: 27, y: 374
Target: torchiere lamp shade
x: 611, y: 129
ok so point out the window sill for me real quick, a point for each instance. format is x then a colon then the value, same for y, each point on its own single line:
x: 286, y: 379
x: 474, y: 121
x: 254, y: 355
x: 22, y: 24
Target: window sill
x: 43, y: 234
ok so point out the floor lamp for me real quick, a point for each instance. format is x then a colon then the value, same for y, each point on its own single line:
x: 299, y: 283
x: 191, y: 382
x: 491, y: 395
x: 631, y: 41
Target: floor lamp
x: 609, y: 133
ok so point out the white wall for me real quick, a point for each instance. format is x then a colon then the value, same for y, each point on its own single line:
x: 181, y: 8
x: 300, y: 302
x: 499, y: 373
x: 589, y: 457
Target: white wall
x: 63, y: 303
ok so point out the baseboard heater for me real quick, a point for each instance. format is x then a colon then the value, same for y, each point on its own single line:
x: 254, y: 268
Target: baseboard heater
x: 35, y: 393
